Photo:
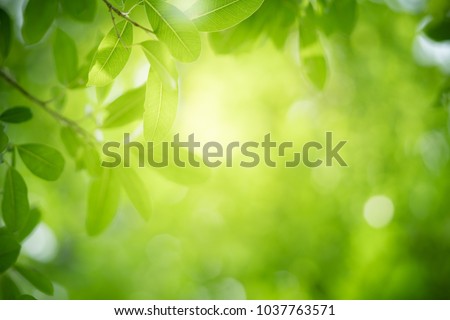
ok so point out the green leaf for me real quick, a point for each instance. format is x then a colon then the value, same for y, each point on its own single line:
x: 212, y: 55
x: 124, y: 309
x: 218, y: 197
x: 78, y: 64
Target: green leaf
x: 161, y: 60
x: 125, y: 109
x: 26, y: 297
x: 91, y: 160
x: 33, y: 220
x: 112, y: 55
x: 71, y: 141
x: 173, y: 28
x: 81, y: 10
x: 103, y: 92
x: 66, y: 57
x: 15, y: 206
x: 5, y: 39
x: 38, y: 17
x: 137, y: 191
x: 4, y: 140
x: 161, y: 102
x: 439, y: 29
x: 9, y: 250
x: 9, y: 289
x: 16, y: 115
x: 317, y: 70
x: 218, y: 15
x: 36, y: 278
x: 43, y: 161
x: 103, y: 201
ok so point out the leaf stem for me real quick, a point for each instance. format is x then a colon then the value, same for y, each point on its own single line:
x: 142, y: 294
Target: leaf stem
x: 125, y: 16
x: 44, y: 106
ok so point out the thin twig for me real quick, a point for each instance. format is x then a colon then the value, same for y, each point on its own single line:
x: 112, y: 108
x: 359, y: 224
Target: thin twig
x: 125, y: 16
x: 44, y: 106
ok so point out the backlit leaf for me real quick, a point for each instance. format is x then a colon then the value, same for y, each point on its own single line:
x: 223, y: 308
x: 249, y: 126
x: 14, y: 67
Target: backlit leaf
x: 15, y: 204
x: 66, y: 57
x: 161, y: 60
x: 137, y: 191
x: 43, y: 161
x: 126, y: 108
x: 38, y: 17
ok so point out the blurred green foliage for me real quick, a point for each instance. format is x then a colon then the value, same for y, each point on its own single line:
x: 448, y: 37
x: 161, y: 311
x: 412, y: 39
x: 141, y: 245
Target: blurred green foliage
x: 374, y: 73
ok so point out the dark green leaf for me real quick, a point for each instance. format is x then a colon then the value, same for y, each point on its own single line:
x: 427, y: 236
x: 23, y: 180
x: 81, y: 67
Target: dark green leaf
x: 218, y: 15
x: 16, y: 115
x: 45, y: 162
x: 9, y: 250
x: 37, y: 279
x: 26, y: 297
x: 33, y: 220
x: 38, y: 17
x: 137, y: 191
x: 126, y: 108
x: 161, y: 102
x: 173, y: 28
x: 439, y: 30
x: 81, y: 10
x: 161, y: 60
x: 5, y: 39
x: 8, y: 289
x: 103, y: 201
x: 15, y: 204
x: 4, y: 140
x: 66, y: 57
x: 112, y: 55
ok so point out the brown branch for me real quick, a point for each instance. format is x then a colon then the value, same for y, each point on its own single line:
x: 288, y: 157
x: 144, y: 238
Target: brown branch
x: 125, y: 16
x: 44, y: 106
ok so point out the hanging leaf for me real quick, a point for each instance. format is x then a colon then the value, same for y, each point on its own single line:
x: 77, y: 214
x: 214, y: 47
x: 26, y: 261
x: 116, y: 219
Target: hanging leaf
x: 103, y: 201
x: 218, y: 15
x: 137, y: 191
x: 125, y: 109
x: 5, y: 31
x: 43, y: 161
x: 161, y: 60
x: 36, y: 278
x: 173, y: 28
x: 8, y: 289
x: 16, y: 115
x: 103, y: 92
x: 91, y: 160
x: 439, y: 29
x: 37, y: 19
x: 81, y: 10
x: 317, y: 70
x: 112, y: 55
x: 15, y: 204
x: 161, y: 102
x: 71, y: 141
x: 66, y: 57
x: 9, y: 250
x: 33, y: 220
x: 4, y: 140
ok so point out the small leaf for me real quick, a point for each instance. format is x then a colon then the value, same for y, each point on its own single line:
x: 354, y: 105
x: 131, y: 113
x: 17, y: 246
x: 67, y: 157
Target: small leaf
x: 43, y: 161
x: 38, y: 17
x: 37, y: 279
x: 125, y: 109
x: 33, y: 220
x: 91, y: 160
x: 137, y: 191
x: 81, y: 10
x: 5, y: 31
x: 15, y: 206
x: 218, y: 15
x: 66, y: 57
x: 9, y: 289
x: 439, y: 29
x: 112, y: 55
x: 4, y: 140
x: 316, y: 70
x: 103, y: 201
x: 71, y: 141
x: 9, y: 250
x: 16, y: 115
x: 161, y: 60
x: 173, y: 28
x: 161, y: 102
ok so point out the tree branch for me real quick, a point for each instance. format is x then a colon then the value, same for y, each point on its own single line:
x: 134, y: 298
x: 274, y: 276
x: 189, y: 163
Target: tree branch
x: 125, y: 16
x: 44, y: 106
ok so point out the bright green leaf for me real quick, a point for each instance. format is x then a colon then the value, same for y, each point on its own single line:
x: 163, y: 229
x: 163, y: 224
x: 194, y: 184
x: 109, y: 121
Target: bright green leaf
x: 103, y: 201
x: 33, y: 220
x: 103, y: 92
x: 15, y: 204
x: 37, y: 279
x: 137, y: 191
x: 71, y: 141
x: 173, y: 28
x: 161, y: 60
x: 9, y: 250
x: 16, y: 115
x: 125, y: 109
x: 161, y: 102
x: 317, y: 70
x: 45, y: 162
x: 81, y: 10
x: 38, y: 17
x: 5, y: 31
x: 91, y: 160
x: 66, y: 57
x: 112, y: 55
x: 218, y: 15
